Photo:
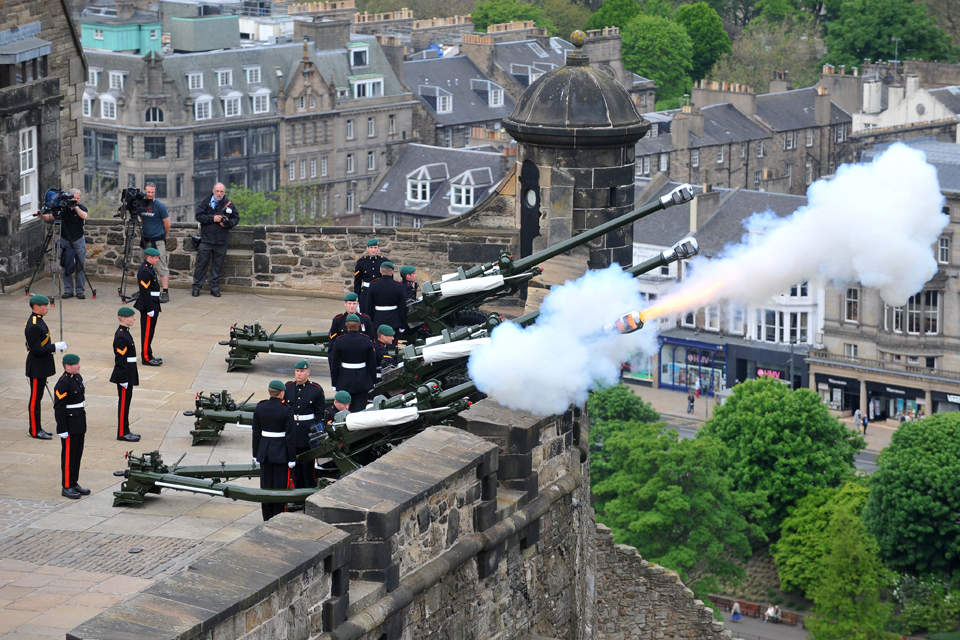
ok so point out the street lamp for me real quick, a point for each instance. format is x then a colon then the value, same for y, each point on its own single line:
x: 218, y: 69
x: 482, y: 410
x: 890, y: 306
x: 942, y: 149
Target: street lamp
x: 896, y: 48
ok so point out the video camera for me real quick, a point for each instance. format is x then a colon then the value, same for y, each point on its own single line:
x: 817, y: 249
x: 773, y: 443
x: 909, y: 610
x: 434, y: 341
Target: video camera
x: 56, y: 203
x: 133, y: 202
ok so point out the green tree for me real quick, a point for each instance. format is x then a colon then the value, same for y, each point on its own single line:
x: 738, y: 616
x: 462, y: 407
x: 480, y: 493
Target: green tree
x: 490, y: 12
x: 781, y: 442
x: 618, y: 402
x: 803, y: 540
x: 793, y: 45
x: 927, y: 604
x: 914, y: 497
x: 735, y: 13
x: 776, y: 10
x: 847, y: 596
x: 255, y: 207
x: 865, y: 28
x: 566, y: 16
x: 668, y: 499
x: 705, y: 29
x: 614, y: 13
x: 659, y: 49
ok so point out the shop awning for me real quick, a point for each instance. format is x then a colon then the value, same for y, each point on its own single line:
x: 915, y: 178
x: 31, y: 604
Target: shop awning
x: 851, y: 385
x: 940, y: 396
x: 892, y: 391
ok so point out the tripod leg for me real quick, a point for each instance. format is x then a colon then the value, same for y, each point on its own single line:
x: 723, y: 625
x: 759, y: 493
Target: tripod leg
x: 41, y: 261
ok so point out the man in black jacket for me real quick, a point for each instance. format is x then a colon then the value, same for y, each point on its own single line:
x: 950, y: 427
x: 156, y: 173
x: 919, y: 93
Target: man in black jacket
x: 353, y: 364
x: 71, y: 426
x: 351, y: 305
x: 305, y: 398
x: 216, y: 216
x: 40, y: 364
x: 148, y: 302
x: 274, y: 444
x: 125, y: 374
x: 366, y: 271
x: 387, y: 300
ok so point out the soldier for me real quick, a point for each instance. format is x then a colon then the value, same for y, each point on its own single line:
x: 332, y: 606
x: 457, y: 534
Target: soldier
x: 274, y: 444
x: 353, y: 364
x: 387, y: 300
x: 408, y: 278
x: 368, y: 270
x: 341, y: 402
x: 386, y: 356
x: 40, y: 364
x: 125, y: 374
x: 306, y: 400
x: 71, y: 426
x: 148, y: 302
x: 338, y: 326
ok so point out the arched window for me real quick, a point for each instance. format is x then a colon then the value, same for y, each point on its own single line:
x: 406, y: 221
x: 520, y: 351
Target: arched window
x: 154, y: 114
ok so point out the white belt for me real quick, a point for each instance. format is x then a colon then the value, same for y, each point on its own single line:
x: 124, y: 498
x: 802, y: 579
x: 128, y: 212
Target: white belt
x: 75, y: 406
x: 273, y: 434
x: 155, y: 294
x: 386, y: 308
x: 133, y: 359
x: 365, y: 285
x: 353, y: 365
x: 308, y: 416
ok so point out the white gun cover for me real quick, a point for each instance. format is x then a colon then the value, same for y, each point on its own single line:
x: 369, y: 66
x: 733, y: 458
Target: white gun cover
x: 450, y: 350
x: 473, y: 285
x: 381, y: 418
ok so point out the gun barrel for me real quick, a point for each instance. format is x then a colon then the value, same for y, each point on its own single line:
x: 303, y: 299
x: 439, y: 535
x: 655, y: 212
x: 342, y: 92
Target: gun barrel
x: 284, y: 348
x: 681, y: 194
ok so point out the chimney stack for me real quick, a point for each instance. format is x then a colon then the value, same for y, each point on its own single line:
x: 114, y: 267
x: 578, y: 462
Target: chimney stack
x: 821, y: 106
x: 685, y: 123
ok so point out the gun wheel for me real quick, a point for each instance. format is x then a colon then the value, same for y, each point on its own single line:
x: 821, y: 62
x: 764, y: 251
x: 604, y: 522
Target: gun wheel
x: 452, y: 381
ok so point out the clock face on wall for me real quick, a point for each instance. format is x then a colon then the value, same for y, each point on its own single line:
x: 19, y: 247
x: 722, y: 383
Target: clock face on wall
x: 921, y: 109
x: 531, y: 197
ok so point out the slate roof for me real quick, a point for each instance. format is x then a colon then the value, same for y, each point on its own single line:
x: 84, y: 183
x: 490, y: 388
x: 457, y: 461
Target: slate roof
x: 789, y: 110
x: 527, y: 53
x: 948, y: 97
x: 722, y: 124
x: 455, y: 75
x: 945, y: 156
x: 442, y: 166
x: 665, y: 227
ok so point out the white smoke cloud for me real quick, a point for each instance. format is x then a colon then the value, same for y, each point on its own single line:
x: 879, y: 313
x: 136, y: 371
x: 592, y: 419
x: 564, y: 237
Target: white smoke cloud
x: 872, y: 223
x: 543, y: 368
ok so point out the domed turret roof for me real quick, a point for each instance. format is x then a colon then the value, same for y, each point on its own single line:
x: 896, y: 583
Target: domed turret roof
x: 576, y: 106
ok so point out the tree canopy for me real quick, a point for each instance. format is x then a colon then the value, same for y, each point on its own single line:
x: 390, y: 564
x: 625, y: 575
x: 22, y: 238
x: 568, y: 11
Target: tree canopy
x: 490, y: 12
x: 781, y: 442
x: 614, y: 13
x: 659, y: 49
x: 566, y: 16
x: 866, y: 28
x: 254, y: 207
x: 915, y: 496
x: 705, y: 29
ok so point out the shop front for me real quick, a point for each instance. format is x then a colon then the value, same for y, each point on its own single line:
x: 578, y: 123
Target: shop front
x: 890, y: 402
x: 841, y: 394
x: 748, y: 362
x: 944, y: 402
x: 684, y: 362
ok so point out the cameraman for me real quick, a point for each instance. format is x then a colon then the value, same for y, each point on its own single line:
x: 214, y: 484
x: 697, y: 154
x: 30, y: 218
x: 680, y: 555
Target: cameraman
x: 73, y: 247
x: 156, y: 226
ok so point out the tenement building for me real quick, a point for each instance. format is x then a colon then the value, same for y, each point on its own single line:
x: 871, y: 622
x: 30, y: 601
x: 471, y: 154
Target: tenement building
x: 897, y: 361
x: 41, y: 72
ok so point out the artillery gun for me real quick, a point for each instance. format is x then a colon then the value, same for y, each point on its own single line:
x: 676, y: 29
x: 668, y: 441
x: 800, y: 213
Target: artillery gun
x: 353, y: 440
x: 443, y: 358
x: 448, y: 304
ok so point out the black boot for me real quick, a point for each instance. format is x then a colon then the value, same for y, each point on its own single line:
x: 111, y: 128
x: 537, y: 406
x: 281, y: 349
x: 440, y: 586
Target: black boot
x: 81, y: 490
x: 71, y: 493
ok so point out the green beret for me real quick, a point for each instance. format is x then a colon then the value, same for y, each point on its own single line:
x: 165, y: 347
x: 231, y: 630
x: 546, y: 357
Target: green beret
x: 386, y: 265
x: 406, y: 270
x: 373, y: 242
x: 351, y: 297
x: 342, y: 397
x: 276, y: 385
x: 38, y: 299
x: 386, y: 330
x: 125, y: 312
x: 152, y: 252
x: 301, y: 365
x: 71, y: 358
x: 353, y: 318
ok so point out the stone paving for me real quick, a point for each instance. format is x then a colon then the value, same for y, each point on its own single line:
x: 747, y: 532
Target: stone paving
x: 64, y: 561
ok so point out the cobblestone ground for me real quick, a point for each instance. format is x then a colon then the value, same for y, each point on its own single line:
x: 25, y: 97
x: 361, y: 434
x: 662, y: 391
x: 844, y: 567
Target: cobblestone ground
x: 18, y: 512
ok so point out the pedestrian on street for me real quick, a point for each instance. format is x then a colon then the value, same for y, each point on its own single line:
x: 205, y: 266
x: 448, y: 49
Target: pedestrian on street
x: 125, y: 374
x: 351, y: 304
x: 388, y: 300
x: 71, y: 426
x: 353, y: 364
x: 858, y: 419
x: 216, y: 215
x: 735, y: 612
x: 148, y: 302
x: 690, y: 401
x: 155, y: 225
x: 367, y: 270
x: 274, y: 444
x: 40, y: 364
x: 698, y: 386
x: 864, y: 425
x: 305, y: 398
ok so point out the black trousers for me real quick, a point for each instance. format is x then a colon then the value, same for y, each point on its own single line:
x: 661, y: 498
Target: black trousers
x: 148, y: 328
x: 71, y: 450
x: 304, y: 474
x: 123, y: 409
x: 37, y: 385
x: 358, y: 400
x: 273, y: 476
x: 212, y: 255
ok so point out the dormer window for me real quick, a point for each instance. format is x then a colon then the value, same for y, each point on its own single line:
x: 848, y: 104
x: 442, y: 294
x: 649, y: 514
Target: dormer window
x: 261, y: 101
x: 93, y: 76
x: 108, y: 107
x: 225, y: 78
x: 195, y: 81
x: 359, y: 57
x: 496, y: 98
x: 491, y: 93
x: 418, y: 190
x: 117, y: 79
x: 462, y: 196
x: 365, y: 87
x: 252, y: 75
x: 231, y: 104
x: 445, y: 104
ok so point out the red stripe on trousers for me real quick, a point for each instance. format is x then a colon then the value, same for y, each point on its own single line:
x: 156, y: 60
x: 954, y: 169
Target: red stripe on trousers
x: 33, y: 407
x: 123, y: 411
x: 146, y: 340
x: 66, y: 464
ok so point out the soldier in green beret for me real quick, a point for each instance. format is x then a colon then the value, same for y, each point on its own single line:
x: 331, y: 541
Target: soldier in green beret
x: 341, y: 402
x: 71, y: 426
x: 408, y: 278
x: 40, y: 364
x: 305, y: 398
x: 274, y: 444
x: 351, y: 304
x: 149, y: 305
x: 353, y: 364
x: 367, y: 270
x: 125, y: 374
x: 386, y: 351
x: 388, y: 300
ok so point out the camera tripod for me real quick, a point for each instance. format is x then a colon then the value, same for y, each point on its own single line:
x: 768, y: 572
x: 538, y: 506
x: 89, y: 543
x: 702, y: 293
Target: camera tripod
x: 131, y: 229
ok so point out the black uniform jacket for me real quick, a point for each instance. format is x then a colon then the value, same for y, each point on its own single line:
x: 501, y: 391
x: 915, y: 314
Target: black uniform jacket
x: 124, y: 358
x: 40, y: 348
x: 305, y: 400
x: 149, y: 286
x: 353, y: 363
x: 68, y: 404
x: 386, y: 357
x: 339, y: 326
x: 387, y: 303
x: 411, y: 289
x: 330, y: 414
x: 367, y: 270
x: 272, y: 417
x: 213, y: 232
